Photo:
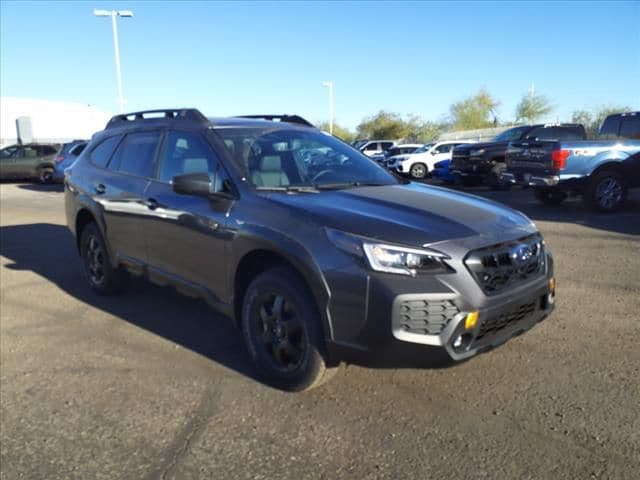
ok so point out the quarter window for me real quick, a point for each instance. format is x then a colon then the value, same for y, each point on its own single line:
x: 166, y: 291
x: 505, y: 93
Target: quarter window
x: 102, y: 153
x: 136, y: 154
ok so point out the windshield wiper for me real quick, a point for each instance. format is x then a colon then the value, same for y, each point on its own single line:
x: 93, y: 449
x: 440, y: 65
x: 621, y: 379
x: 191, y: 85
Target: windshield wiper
x: 291, y: 188
x: 339, y: 186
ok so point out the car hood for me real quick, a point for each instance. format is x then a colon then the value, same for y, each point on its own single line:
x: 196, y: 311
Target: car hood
x: 412, y: 214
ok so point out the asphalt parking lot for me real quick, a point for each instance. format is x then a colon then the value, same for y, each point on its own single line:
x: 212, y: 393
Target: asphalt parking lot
x: 154, y: 385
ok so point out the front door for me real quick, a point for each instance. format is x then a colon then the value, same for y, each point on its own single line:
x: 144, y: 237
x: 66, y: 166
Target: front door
x: 9, y: 161
x: 187, y: 235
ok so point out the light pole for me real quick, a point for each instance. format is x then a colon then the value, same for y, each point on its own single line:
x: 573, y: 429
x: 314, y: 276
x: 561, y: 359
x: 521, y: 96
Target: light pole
x: 330, y: 86
x: 113, y: 14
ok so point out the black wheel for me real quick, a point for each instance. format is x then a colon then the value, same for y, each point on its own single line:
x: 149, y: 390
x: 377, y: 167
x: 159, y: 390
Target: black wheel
x: 418, y: 170
x: 549, y: 196
x: 606, y: 191
x: 493, y: 178
x: 102, y: 277
x: 282, y: 331
x: 45, y: 175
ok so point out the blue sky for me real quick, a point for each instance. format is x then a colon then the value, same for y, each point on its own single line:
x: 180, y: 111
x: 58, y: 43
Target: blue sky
x: 272, y: 57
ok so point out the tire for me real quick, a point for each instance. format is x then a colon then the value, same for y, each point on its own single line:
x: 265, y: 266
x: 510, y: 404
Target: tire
x: 101, y: 276
x: 606, y: 191
x: 282, y: 331
x: 45, y: 175
x: 418, y: 171
x: 549, y: 196
x: 493, y: 178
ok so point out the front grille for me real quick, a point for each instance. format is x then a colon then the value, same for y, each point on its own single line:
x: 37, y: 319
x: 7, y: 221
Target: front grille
x: 502, y: 266
x: 505, y: 319
x: 427, y: 317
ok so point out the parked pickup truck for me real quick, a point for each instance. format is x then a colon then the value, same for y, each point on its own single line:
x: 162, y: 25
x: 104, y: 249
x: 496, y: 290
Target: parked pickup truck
x: 472, y: 164
x: 602, y: 170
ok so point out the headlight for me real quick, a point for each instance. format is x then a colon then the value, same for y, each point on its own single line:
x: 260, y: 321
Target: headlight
x: 477, y: 153
x: 382, y: 257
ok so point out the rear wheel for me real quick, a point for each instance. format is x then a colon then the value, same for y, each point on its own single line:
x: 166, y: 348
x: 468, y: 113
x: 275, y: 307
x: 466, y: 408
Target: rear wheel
x: 549, y: 196
x: 102, y: 277
x: 606, y: 191
x: 45, y: 175
x: 418, y: 170
x: 282, y: 331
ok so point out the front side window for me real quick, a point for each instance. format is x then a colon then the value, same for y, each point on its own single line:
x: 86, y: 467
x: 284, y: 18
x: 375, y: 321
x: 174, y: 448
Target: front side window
x: 277, y: 158
x: 371, y: 147
x: 10, y: 152
x: 185, y: 152
x: 446, y: 148
x: 136, y: 154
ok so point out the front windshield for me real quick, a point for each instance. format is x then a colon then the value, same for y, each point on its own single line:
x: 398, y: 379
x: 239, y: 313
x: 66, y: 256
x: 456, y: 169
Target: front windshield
x: 511, y: 134
x: 287, y: 159
x: 424, y: 148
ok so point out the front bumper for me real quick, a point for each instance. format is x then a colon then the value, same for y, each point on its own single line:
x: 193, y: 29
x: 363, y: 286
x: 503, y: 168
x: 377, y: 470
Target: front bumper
x: 394, y: 315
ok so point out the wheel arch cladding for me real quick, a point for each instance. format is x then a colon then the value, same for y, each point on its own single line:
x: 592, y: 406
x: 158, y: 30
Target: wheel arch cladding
x: 260, y: 260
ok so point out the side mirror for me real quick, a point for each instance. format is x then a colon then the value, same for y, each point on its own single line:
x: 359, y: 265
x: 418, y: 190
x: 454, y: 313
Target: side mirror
x: 198, y: 184
x: 433, y: 152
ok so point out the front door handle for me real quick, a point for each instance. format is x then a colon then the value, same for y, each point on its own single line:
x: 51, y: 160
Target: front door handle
x: 151, y: 203
x: 100, y: 189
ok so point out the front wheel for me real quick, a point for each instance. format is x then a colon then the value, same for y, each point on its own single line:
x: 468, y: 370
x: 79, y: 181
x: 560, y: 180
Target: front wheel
x: 418, y: 170
x: 282, y: 331
x: 606, y: 192
x: 549, y: 196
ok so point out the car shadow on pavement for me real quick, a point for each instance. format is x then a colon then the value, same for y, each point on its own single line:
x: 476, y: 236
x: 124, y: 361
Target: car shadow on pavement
x: 184, y: 321
x: 42, y: 187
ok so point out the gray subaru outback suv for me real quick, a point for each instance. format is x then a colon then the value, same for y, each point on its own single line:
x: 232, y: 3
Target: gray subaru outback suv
x: 314, y: 251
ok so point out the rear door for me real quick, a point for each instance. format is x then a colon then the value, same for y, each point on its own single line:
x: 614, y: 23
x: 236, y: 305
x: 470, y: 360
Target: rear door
x: 120, y: 190
x: 27, y: 161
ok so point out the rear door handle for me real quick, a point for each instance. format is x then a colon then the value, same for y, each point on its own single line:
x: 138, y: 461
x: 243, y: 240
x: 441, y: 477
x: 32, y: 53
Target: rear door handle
x: 152, y: 203
x: 100, y: 189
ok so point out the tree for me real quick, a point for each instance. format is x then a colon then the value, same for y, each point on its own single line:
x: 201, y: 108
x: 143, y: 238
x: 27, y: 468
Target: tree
x: 339, y: 131
x: 385, y: 125
x: 474, y: 112
x: 593, y: 119
x: 532, y: 107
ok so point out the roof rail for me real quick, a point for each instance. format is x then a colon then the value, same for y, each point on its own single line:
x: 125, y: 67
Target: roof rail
x: 189, y: 114
x: 297, y: 119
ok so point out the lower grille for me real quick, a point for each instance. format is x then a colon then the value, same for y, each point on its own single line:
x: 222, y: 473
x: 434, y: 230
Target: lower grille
x: 427, y: 317
x: 499, y: 267
x: 505, y: 319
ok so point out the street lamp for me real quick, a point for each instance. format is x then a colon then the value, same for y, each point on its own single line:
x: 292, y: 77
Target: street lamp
x: 330, y: 86
x: 113, y: 14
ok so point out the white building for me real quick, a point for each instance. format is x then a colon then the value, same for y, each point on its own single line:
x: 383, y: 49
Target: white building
x: 50, y: 121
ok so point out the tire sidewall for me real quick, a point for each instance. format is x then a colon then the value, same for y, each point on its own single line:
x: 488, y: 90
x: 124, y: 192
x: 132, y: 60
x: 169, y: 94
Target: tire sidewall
x: 312, y: 365
x: 424, y: 167
x: 597, y: 180
x: 114, y: 280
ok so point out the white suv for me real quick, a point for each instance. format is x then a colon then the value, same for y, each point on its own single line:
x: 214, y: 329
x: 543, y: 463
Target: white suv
x: 419, y: 163
x: 373, y: 147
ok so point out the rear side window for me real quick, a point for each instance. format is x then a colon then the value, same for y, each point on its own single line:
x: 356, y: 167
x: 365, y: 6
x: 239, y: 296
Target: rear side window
x: 101, y: 154
x: 610, y: 127
x: 136, y: 154
x: 77, y: 149
x: 630, y: 127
